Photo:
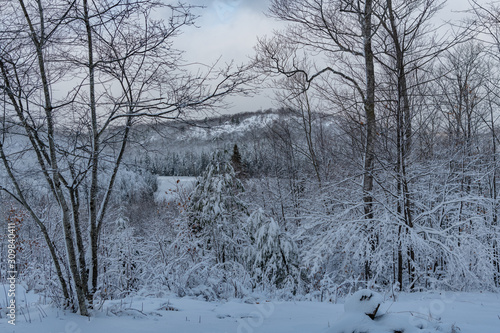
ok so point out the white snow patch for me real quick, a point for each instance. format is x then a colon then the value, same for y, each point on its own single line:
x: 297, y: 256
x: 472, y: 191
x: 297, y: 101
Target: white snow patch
x: 468, y: 312
x: 363, y: 301
x: 173, y: 188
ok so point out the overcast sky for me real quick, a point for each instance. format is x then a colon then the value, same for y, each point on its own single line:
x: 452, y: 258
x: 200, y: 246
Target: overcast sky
x: 229, y: 28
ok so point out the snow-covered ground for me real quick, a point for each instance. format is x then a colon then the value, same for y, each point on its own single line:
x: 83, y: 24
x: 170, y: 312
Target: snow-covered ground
x: 171, y: 188
x: 466, y: 312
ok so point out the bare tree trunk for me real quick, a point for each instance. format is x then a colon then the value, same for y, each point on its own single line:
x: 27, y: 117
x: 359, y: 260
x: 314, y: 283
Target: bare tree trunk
x: 369, y: 105
x: 52, y: 151
x: 494, y: 196
x: 307, y: 125
x: 403, y: 121
x: 75, y: 203
x: 94, y: 158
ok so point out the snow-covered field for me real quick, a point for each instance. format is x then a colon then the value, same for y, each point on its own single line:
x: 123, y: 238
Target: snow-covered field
x: 171, y: 188
x: 465, y: 312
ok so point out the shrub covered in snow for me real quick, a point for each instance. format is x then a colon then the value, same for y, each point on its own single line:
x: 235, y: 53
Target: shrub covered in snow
x: 215, y: 212
x: 273, y: 255
x: 362, y: 316
x: 364, y: 301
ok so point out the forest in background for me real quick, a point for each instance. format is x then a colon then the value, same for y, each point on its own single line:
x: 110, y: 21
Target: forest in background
x: 378, y: 171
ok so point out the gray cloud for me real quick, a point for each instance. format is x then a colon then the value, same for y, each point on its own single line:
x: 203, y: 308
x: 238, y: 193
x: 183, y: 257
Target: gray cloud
x: 228, y: 29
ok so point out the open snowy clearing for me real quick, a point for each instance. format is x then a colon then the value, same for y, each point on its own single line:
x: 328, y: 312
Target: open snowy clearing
x: 172, y: 187
x: 466, y: 312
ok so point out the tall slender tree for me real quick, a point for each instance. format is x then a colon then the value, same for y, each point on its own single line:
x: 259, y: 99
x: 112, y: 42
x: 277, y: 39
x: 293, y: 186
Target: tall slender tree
x: 342, y: 32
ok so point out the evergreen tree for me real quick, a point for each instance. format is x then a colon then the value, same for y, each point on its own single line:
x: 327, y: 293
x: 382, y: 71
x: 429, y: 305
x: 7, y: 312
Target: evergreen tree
x: 273, y: 258
x: 236, y: 163
x: 215, y: 212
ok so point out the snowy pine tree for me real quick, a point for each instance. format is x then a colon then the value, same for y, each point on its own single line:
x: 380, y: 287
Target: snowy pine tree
x: 237, y: 164
x: 215, y: 213
x: 274, y: 258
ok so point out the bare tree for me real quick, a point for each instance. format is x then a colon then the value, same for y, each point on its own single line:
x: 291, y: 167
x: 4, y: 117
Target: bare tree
x: 342, y: 33
x: 408, y: 46
x: 461, y: 86
x: 485, y: 22
x: 75, y: 77
x: 302, y: 104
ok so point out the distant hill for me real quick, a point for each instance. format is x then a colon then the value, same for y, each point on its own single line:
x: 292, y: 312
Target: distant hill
x: 183, y: 148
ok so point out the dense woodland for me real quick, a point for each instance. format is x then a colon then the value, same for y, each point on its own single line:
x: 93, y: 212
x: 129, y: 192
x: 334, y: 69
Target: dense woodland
x: 379, y: 170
